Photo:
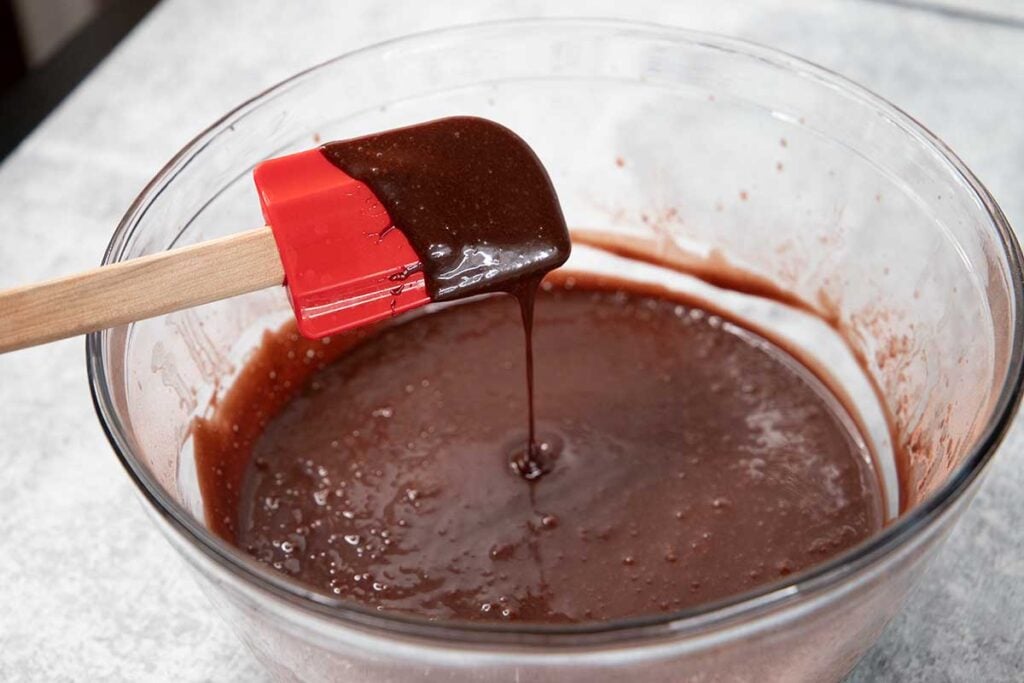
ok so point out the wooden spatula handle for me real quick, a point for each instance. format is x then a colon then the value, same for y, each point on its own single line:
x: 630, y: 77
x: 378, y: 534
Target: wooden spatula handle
x: 139, y: 288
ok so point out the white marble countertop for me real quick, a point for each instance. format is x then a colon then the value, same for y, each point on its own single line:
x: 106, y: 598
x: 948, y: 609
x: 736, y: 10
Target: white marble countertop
x: 90, y: 591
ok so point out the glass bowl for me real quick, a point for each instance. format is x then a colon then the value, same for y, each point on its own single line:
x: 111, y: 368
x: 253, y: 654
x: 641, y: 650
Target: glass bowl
x: 706, y: 150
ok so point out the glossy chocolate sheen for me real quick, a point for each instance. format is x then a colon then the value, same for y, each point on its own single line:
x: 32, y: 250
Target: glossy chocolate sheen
x: 471, y: 197
x: 686, y: 459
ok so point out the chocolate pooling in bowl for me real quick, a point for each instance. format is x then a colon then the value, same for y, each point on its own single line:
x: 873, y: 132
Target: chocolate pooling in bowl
x: 686, y: 458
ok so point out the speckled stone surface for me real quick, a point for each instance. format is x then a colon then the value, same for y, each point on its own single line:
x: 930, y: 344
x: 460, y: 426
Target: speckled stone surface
x: 90, y: 591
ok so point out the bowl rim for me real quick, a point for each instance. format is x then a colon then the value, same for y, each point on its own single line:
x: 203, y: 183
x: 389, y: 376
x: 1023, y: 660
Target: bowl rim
x: 688, y: 622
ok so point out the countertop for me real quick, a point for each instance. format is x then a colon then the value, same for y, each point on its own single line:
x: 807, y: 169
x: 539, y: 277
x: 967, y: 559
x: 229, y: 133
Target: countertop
x: 89, y: 590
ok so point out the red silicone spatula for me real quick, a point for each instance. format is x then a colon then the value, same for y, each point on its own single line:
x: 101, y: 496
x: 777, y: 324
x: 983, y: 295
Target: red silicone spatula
x: 329, y: 240
x: 459, y: 206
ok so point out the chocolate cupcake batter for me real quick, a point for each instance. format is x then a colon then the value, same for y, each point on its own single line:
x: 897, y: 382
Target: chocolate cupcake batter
x: 686, y: 458
x: 676, y: 457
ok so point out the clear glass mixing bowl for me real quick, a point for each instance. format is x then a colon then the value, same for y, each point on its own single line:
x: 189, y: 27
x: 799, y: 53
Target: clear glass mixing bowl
x: 693, y: 147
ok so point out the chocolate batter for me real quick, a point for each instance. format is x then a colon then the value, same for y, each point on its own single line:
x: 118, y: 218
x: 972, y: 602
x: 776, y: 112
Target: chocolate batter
x: 686, y: 459
x: 678, y: 458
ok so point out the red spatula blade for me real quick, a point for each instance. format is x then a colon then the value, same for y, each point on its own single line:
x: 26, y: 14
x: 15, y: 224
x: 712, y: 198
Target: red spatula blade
x: 345, y: 264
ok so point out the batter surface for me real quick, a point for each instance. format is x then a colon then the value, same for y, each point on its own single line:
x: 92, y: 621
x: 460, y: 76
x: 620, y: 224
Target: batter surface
x: 683, y: 459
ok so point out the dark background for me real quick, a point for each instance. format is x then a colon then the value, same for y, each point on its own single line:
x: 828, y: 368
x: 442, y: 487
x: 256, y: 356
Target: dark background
x: 47, y: 47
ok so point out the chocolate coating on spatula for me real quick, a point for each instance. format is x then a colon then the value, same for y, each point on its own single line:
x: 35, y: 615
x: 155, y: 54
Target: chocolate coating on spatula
x: 471, y: 197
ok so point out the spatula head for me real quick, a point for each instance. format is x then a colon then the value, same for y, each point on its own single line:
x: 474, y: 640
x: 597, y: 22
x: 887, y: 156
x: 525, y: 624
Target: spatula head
x: 441, y: 210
